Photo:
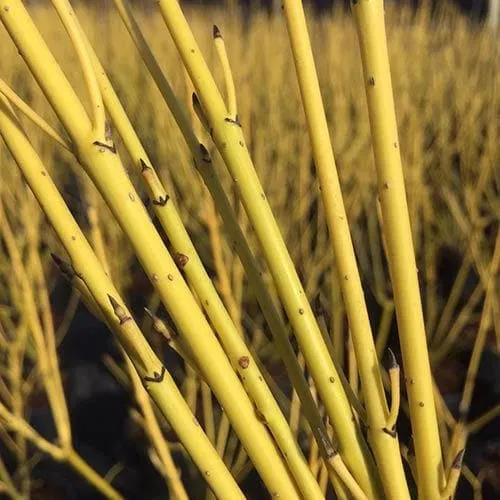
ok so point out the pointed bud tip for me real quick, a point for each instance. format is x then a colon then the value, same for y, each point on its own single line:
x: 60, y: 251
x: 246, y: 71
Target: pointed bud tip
x: 216, y: 32
x: 457, y: 463
x: 113, y: 302
x: 143, y: 165
x: 393, y: 362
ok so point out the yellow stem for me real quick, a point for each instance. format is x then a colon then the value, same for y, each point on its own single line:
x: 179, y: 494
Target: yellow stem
x: 47, y: 361
x: 370, y: 25
x: 395, y: 394
x: 153, y: 430
x: 75, y: 33
x: 220, y: 46
x: 193, y: 268
x: 32, y: 115
x: 453, y: 476
x: 481, y: 337
x: 101, y: 484
x: 159, y: 384
x: 343, y: 472
x: 230, y: 142
x: 105, y: 168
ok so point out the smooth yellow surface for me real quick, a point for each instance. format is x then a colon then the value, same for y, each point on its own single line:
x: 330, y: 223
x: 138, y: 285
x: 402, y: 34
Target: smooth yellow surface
x: 369, y: 16
x: 385, y: 447
x: 106, y: 170
x: 164, y: 393
x: 233, y: 344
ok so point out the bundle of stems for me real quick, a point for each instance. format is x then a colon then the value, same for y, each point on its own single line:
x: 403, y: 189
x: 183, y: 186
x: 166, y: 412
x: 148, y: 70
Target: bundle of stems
x: 354, y: 444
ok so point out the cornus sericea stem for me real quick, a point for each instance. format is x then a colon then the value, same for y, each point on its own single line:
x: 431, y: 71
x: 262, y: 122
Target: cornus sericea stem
x: 74, y: 30
x: 203, y: 163
x: 369, y: 18
x: 77, y: 282
x: 453, y: 476
x: 153, y: 429
x: 190, y: 264
x: 31, y: 114
x: 228, y: 137
x: 46, y: 354
x: 220, y: 46
x: 101, y: 162
x: 156, y: 379
x: 385, y: 445
x: 395, y: 394
x: 48, y: 366
x: 481, y: 337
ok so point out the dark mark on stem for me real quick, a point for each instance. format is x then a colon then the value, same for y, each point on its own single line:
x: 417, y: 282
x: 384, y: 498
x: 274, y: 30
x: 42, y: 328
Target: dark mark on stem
x: 390, y: 432
x: 244, y: 361
x: 260, y: 415
x: 325, y: 440
x: 181, y: 260
x: 162, y: 200
x: 157, y: 377
x: 65, y: 267
x: 457, y: 463
x: 236, y: 121
x: 143, y: 165
x: 111, y: 147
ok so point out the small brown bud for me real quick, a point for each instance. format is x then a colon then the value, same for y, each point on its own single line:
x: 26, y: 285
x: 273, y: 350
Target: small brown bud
x: 244, y: 361
x: 119, y: 310
x: 181, y: 260
x: 216, y: 32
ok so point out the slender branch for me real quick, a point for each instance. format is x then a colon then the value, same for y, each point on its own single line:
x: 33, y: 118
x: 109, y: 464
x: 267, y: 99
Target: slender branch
x: 220, y: 46
x: 32, y: 115
x: 75, y: 33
